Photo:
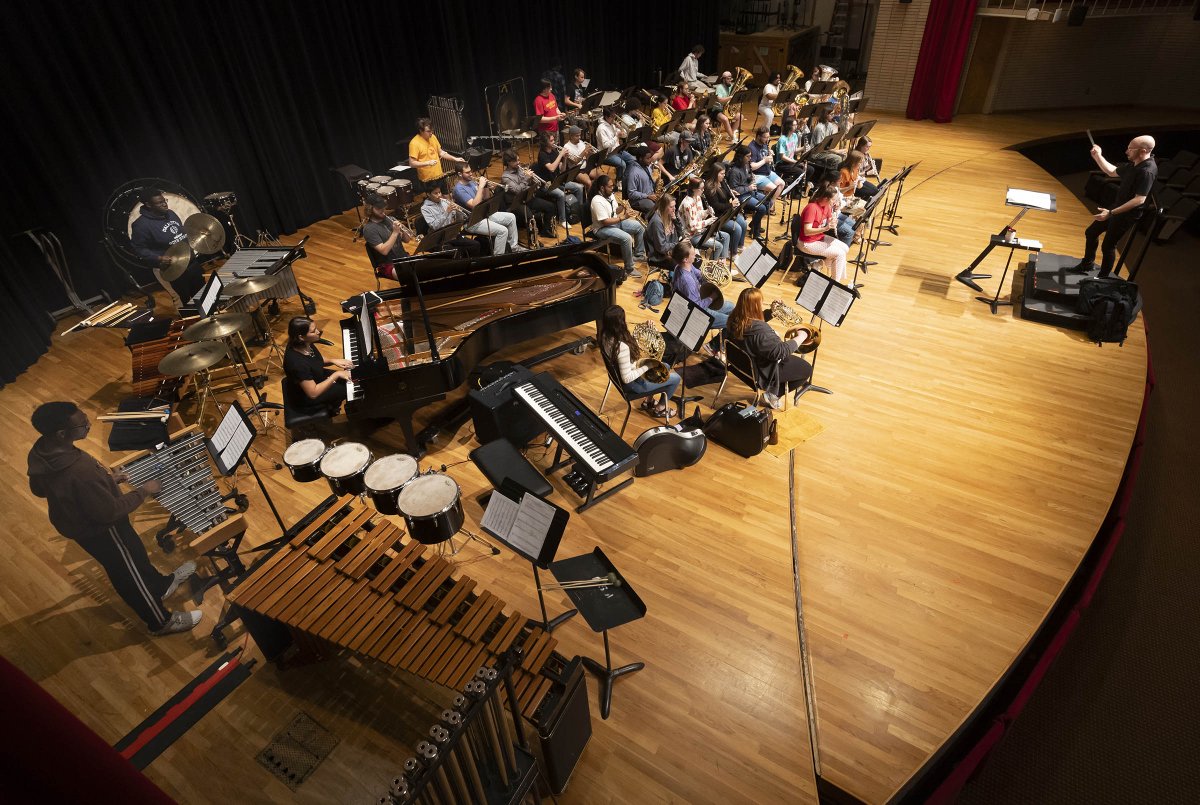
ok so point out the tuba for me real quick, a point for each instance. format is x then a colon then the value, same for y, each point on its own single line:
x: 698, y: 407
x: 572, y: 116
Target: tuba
x: 652, y: 346
x: 792, y: 81
x: 740, y: 77
x: 788, y: 317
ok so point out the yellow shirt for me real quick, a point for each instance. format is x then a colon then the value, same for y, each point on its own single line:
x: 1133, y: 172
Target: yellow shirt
x: 423, y: 150
x: 658, y: 116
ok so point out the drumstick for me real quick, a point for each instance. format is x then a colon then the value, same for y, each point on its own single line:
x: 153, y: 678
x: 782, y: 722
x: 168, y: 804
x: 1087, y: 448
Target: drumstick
x: 1089, y: 134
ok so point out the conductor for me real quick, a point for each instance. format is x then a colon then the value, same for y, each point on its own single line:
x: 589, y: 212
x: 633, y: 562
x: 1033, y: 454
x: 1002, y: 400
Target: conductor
x: 1137, y: 179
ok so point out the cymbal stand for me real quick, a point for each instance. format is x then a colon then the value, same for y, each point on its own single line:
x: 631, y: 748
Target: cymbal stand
x: 238, y: 354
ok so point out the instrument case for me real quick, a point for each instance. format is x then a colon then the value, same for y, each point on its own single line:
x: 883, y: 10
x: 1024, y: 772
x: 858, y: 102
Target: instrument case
x: 742, y: 428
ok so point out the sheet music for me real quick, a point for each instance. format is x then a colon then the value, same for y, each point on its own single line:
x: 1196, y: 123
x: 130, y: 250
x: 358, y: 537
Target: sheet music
x: 677, y: 311
x: 523, y: 526
x: 231, y: 440
x: 814, y: 288
x: 1029, y: 243
x: 757, y: 272
x: 1030, y: 198
x: 695, y: 329
x: 836, y: 305
x: 586, y: 83
x: 234, y: 450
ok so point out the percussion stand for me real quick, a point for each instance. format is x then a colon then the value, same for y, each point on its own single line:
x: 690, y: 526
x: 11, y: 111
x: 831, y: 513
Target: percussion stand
x: 248, y: 379
x: 471, y: 536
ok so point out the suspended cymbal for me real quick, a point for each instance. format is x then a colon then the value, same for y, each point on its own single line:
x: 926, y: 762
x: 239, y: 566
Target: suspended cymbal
x: 180, y: 256
x: 249, y: 285
x: 217, y: 326
x: 204, y: 233
x: 192, y: 358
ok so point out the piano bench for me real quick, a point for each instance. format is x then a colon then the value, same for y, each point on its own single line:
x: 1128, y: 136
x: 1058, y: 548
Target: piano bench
x: 499, y: 460
x: 296, y: 421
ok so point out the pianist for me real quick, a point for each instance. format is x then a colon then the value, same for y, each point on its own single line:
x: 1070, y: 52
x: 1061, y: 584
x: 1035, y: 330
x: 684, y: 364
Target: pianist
x: 314, y: 386
x: 156, y: 229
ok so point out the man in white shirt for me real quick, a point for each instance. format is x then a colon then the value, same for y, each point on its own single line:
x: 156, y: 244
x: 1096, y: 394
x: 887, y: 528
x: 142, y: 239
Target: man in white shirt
x: 608, y: 135
x: 689, y: 70
x: 614, y: 221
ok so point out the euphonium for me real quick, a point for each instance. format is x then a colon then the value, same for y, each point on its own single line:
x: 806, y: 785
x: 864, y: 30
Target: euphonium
x: 791, y: 82
x: 716, y: 272
x: 652, y: 346
x: 740, y: 77
x: 790, y: 318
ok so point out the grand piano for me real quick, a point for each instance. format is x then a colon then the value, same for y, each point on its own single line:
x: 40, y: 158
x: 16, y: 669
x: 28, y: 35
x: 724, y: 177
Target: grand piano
x: 413, y: 345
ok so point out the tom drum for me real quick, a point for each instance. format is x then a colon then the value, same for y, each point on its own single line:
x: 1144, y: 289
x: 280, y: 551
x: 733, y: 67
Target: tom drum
x: 432, y: 508
x: 344, y: 466
x: 303, y: 459
x: 386, y: 477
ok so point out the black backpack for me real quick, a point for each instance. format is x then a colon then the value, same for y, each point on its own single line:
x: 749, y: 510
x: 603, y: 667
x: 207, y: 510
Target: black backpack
x: 1109, y: 303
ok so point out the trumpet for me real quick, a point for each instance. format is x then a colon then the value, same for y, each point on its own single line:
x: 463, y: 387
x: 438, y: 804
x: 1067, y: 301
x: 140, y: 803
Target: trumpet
x: 458, y: 212
x: 528, y: 173
x: 790, y: 318
x: 405, y: 232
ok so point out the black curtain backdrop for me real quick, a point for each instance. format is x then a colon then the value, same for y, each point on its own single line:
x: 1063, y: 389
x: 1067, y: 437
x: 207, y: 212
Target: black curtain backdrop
x: 265, y: 98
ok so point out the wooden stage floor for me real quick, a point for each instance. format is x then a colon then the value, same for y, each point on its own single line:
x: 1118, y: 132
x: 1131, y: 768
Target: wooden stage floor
x: 963, y: 466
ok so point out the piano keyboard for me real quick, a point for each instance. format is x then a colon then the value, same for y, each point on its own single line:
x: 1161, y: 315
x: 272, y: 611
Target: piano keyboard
x: 350, y: 353
x: 590, y: 442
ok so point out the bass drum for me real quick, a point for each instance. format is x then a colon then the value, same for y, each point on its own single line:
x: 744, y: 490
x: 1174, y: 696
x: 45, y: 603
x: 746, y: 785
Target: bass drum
x: 386, y: 477
x: 432, y: 508
x: 124, y: 207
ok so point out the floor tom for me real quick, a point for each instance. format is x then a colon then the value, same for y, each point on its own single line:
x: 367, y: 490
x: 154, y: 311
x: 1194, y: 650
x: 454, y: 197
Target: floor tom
x: 344, y: 467
x: 385, y: 479
x: 303, y: 459
x: 432, y: 508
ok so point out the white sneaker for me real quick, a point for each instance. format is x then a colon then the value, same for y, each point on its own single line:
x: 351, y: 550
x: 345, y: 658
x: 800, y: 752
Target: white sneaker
x: 773, y: 401
x: 180, y: 622
x: 181, y: 574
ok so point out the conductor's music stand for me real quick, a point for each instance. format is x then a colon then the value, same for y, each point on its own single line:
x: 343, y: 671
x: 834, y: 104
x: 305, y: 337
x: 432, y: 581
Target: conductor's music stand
x: 532, y: 527
x: 604, y: 607
x: 1027, y: 200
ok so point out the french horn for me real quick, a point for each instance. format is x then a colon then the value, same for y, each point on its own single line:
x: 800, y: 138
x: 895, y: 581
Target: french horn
x: 716, y: 272
x: 790, y: 318
x: 652, y: 346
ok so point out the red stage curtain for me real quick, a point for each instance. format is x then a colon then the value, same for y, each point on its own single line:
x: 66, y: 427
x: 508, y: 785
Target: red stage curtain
x: 940, y: 62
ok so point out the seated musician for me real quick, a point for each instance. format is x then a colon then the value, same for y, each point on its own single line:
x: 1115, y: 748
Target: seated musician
x: 696, y: 216
x: 500, y: 226
x: 577, y: 153
x: 664, y: 231
x: 87, y: 506
x: 702, y: 136
x: 779, y: 370
x: 850, y: 180
x: 316, y: 387
x: 787, y: 148
x: 869, y: 169
x: 156, y: 229
x: 516, y: 179
x: 721, y: 197
x: 824, y: 126
x: 622, y: 351
x: 660, y: 116
x: 612, y: 220
x: 686, y: 281
x: 678, y: 156
x: 766, y: 104
x: 845, y: 223
x: 741, y: 180
x: 762, y: 163
x: 730, y: 119
x: 682, y: 98
x: 577, y: 91
x: 609, y: 134
x: 425, y: 154
x: 639, y: 183
x: 551, y: 161
x: 545, y: 106
x: 384, y: 236
x: 817, y: 221
x: 437, y: 212
x: 689, y: 69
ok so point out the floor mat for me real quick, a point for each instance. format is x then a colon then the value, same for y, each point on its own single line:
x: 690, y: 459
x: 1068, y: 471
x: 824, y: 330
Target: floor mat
x: 296, y: 750
x: 795, y: 427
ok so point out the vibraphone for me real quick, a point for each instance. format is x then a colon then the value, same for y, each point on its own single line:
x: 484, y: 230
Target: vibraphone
x: 189, y: 489
x: 258, y: 261
x: 349, y: 579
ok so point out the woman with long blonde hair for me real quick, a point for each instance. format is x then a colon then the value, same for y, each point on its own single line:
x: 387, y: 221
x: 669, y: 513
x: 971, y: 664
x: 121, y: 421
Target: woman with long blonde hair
x: 778, y: 368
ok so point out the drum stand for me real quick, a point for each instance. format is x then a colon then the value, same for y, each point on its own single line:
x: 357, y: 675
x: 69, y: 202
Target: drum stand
x: 471, y: 536
x: 238, y: 354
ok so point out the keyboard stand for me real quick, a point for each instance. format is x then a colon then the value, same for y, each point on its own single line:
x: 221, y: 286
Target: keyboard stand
x: 591, y: 498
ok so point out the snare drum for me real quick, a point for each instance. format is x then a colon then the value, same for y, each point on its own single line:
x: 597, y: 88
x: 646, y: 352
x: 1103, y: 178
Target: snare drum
x: 386, y: 477
x: 222, y: 201
x: 381, y: 179
x: 387, y: 193
x: 432, y: 508
x: 303, y: 459
x: 344, y: 466
x: 404, y: 190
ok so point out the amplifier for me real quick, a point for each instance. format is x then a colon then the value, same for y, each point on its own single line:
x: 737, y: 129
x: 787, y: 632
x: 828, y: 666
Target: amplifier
x: 564, y: 726
x: 494, y: 408
x: 742, y: 428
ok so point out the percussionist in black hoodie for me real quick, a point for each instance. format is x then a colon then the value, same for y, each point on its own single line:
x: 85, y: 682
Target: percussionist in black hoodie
x: 86, y: 505
x: 155, y: 230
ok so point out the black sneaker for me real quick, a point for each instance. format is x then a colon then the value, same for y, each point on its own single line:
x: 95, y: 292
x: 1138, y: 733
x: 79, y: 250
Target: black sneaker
x: 1081, y: 267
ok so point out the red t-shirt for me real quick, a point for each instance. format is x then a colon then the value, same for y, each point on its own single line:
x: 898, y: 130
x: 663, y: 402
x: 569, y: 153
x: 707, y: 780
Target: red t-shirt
x: 814, y: 215
x: 680, y: 102
x: 546, y: 107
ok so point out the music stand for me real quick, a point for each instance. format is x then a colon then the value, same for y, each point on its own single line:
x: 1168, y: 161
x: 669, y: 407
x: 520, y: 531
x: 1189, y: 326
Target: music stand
x: 532, y: 527
x: 604, y: 607
x: 484, y: 210
x: 1026, y: 200
x: 822, y: 87
x: 890, y: 212
x: 866, y: 243
x: 230, y: 445
x: 828, y: 301
x: 435, y: 239
x: 689, y: 323
x: 758, y: 267
x: 860, y: 130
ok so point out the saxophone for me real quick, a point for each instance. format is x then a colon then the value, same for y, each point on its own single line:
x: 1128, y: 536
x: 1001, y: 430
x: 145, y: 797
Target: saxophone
x: 652, y: 346
x: 790, y: 318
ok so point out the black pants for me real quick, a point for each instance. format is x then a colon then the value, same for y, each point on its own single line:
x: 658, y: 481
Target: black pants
x: 541, y: 209
x: 794, y: 372
x: 120, y: 551
x: 1113, y: 229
